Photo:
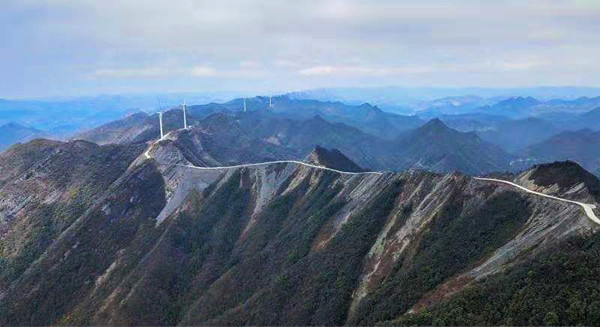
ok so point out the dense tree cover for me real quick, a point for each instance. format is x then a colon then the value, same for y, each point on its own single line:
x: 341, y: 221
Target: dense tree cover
x: 280, y: 238
x: 559, y: 287
x: 210, y: 263
x: 454, y: 242
x: 318, y: 288
x: 63, y: 275
x: 78, y: 172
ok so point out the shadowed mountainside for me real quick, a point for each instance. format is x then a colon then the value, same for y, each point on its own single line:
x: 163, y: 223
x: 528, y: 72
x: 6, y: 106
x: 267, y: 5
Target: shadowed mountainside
x: 332, y: 159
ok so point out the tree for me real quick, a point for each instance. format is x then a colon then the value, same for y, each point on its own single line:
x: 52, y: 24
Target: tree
x: 551, y: 319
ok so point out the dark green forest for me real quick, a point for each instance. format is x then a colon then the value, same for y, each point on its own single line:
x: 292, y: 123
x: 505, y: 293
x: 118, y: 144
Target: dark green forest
x: 559, y: 287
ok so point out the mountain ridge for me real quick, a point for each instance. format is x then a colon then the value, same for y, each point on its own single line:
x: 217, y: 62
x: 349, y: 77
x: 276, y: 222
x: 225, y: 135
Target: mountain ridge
x: 231, y: 243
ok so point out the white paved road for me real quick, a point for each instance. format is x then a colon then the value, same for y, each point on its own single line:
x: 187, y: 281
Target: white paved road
x: 148, y: 156
x: 588, y: 208
x: 282, y: 161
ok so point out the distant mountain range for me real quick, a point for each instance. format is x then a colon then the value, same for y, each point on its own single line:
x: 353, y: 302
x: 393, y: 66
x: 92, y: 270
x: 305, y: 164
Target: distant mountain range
x: 432, y: 146
x: 513, y: 107
x: 13, y: 133
x: 68, y: 115
x: 582, y: 146
x: 292, y: 128
x: 515, y: 135
x: 376, y: 139
x: 436, y: 147
x: 406, y: 100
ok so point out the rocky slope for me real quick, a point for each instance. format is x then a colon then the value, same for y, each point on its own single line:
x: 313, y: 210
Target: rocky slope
x: 163, y: 243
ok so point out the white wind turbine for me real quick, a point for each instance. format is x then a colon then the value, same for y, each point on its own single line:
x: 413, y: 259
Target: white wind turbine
x: 160, y: 119
x: 160, y: 122
x: 184, y: 117
x: 244, y: 104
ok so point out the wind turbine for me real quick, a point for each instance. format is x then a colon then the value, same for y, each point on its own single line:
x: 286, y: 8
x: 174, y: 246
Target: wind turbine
x: 160, y: 122
x: 270, y: 101
x: 160, y: 118
x: 184, y: 118
x: 244, y: 104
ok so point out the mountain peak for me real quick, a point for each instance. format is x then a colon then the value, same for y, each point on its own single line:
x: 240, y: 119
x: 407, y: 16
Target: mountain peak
x: 520, y: 101
x: 12, y: 124
x: 592, y: 114
x: 566, y: 174
x: 333, y: 158
x: 435, y: 125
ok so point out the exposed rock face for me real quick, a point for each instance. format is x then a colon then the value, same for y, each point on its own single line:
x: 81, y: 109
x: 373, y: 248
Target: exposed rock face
x: 163, y: 243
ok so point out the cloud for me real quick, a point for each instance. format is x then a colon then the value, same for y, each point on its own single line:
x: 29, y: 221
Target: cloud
x: 319, y: 70
x: 164, y: 72
x: 242, y: 42
x: 483, y: 66
x: 131, y: 72
x: 203, y: 71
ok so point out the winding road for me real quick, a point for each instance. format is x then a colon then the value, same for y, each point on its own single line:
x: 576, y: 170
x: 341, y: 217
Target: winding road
x: 148, y: 156
x: 282, y: 161
x: 588, y: 208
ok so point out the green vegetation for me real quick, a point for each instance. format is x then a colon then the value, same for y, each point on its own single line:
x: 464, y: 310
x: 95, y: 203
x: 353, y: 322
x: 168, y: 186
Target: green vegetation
x: 560, y: 287
x: 279, y: 238
x: 206, y: 234
x: 454, y: 242
x: 78, y: 171
x: 58, y: 282
x: 220, y: 261
x: 317, y: 288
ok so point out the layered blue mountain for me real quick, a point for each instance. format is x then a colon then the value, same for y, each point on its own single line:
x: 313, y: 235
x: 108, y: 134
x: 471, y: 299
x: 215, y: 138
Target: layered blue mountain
x: 432, y: 146
x: 15, y: 133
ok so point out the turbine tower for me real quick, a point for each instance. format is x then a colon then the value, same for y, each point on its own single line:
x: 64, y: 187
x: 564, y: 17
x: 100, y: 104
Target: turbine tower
x: 184, y: 118
x: 244, y: 104
x: 160, y: 118
x: 160, y: 122
x: 270, y: 101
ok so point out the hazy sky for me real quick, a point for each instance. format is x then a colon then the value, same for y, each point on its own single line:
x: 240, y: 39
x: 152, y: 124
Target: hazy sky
x: 68, y: 47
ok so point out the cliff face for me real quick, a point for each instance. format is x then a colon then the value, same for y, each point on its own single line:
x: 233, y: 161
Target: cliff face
x: 166, y: 243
